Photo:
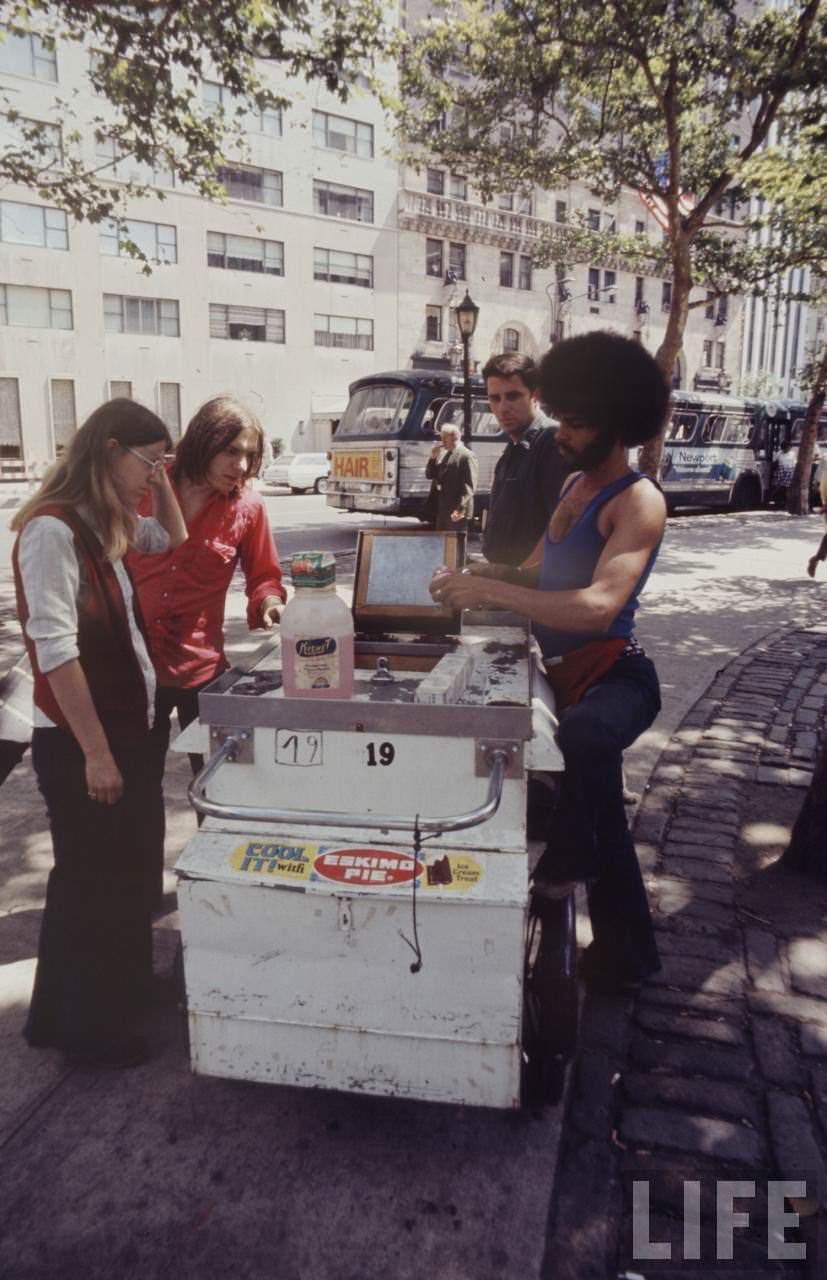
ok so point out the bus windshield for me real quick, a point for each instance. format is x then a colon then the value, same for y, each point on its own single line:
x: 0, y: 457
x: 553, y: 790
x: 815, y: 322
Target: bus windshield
x: 376, y: 411
x: 483, y: 422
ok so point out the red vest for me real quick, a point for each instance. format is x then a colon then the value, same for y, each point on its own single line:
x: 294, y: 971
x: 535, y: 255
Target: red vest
x: 106, y: 654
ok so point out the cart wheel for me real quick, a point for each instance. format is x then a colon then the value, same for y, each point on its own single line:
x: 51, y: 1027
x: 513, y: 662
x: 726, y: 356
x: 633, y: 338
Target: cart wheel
x: 549, y: 1000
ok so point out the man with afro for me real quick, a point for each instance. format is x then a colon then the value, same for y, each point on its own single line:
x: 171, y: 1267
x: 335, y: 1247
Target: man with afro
x: 601, y: 542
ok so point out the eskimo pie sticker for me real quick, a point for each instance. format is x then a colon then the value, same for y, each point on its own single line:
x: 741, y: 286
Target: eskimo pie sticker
x: 367, y: 868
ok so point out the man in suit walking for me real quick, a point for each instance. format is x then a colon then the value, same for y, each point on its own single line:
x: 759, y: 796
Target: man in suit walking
x: 452, y: 471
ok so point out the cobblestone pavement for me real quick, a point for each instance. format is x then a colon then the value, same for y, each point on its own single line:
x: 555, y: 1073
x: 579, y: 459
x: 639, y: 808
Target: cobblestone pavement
x: 718, y: 1069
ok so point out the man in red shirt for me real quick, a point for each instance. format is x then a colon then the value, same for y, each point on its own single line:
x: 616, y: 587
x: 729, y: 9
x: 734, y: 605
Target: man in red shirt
x: 183, y: 592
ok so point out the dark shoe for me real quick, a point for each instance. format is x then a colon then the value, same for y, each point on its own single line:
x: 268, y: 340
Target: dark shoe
x: 609, y: 980
x: 116, y: 1054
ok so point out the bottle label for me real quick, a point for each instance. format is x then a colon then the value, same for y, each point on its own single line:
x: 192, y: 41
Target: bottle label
x: 317, y: 663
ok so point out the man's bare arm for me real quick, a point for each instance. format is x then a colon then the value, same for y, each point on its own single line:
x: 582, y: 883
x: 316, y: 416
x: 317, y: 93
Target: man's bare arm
x: 638, y: 527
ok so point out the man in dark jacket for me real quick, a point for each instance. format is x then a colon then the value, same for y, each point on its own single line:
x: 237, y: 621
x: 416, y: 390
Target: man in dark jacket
x: 530, y: 471
x: 451, y: 470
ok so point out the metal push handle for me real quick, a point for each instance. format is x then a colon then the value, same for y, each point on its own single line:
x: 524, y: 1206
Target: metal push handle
x: 306, y: 817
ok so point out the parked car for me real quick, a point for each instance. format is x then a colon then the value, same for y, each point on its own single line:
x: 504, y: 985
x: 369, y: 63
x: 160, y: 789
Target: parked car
x: 300, y: 472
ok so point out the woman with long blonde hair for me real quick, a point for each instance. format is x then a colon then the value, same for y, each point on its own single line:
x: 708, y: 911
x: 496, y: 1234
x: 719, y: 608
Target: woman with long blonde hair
x: 94, y: 690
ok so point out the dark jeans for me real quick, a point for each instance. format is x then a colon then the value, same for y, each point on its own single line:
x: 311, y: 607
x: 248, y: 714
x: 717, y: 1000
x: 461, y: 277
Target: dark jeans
x: 593, y: 736
x: 94, y: 962
x: 185, y: 703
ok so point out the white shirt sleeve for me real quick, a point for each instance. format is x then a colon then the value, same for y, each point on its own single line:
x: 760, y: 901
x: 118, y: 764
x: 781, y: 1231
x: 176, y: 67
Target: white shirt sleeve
x: 150, y: 536
x: 51, y: 576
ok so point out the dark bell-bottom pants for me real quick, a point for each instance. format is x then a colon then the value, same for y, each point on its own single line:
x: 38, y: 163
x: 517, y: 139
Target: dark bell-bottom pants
x: 593, y: 735
x: 94, y: 964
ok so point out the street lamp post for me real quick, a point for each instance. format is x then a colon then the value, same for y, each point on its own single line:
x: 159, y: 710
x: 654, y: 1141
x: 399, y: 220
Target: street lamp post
x: 467, y: 312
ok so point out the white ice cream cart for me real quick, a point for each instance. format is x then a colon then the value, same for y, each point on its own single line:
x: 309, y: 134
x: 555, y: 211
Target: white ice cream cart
x: 355, y: 909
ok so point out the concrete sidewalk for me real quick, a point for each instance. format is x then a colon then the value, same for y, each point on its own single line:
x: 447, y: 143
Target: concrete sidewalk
x: 155, y: 1173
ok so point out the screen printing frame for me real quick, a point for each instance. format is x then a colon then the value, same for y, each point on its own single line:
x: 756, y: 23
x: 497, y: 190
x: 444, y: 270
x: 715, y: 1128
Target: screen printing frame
x: 376, y: 617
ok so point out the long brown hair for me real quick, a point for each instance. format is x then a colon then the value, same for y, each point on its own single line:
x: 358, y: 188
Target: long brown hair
x: 213, y: 428
x: 82, y: 476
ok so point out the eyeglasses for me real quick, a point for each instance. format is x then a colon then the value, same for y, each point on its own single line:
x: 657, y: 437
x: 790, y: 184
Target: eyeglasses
x: 154, y: 464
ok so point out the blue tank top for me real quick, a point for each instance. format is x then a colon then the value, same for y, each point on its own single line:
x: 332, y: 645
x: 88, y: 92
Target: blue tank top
x: 570, y: 563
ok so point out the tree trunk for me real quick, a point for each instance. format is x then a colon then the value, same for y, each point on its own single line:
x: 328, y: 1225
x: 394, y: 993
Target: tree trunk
x: 667, y: 353
x: 798, y: 494
x: 807, y: 851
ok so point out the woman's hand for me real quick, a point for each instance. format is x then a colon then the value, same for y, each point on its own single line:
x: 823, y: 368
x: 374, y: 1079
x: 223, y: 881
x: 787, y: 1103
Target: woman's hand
x: 103, y: 778
x: 271, y: 608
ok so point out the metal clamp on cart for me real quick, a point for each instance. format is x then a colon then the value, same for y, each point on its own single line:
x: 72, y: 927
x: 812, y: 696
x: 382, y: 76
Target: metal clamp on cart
x: 355, y: 909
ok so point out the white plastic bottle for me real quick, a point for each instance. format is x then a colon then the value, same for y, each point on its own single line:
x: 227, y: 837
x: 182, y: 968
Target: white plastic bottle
x: 316, y: 632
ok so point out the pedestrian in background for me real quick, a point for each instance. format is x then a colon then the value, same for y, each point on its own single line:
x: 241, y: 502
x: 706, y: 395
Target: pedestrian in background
x: 183, y: 593
x: 94, y: 692
x: 529, y: 472
x: 821, y: 554
x: 451, y: 470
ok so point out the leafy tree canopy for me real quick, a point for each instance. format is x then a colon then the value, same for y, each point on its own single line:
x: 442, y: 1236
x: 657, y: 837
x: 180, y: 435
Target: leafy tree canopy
x: 671, y: 98
x: 147, y: 61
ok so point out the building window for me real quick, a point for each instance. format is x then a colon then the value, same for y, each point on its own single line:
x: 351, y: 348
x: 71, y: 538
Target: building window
x: 609, y: 284
x: 640, y: 293
x: 157, y: 240
x: 33, y: 224
x: 140, y: 315
x: 593, y: 219
x: 456, y: 260
x: 433, y: 324
x: 505, y: 201
x: 35, y: 308
x: 27, y: 55
x: 245, y: 253
x: 525, y: 204
x: 560, y: 213
x: 640, y: 227
x: 720, y: 355
x: 435, y: 182
x: 511, y: 340
x: 593, y: 287
x: 128, y: 169
x: 609, y: 222
x: 64, y: 417
x: 708, y: 345
x: 723, y: 311
x: 335, y: 201
x: 434, y: 258
x: 339, y: 267
x: 524, y: 279
x: 254, y: 119
x: 243, y: 182
x: 709, y: 309
x: 343, y: 331
x: 36, y: 137
x: 120, y: 389
x: 666, y: 296
x: 458, y: 186
x: 339, y: 133
x: 246, y: 324
x: 169, y: 407
x: 11, y: 434
x: 507, y: 270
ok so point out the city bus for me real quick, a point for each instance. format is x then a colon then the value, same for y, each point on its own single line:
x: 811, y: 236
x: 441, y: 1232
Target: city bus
x: 796, y: 413
x: 384, y: 439
x: 734, y: 453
